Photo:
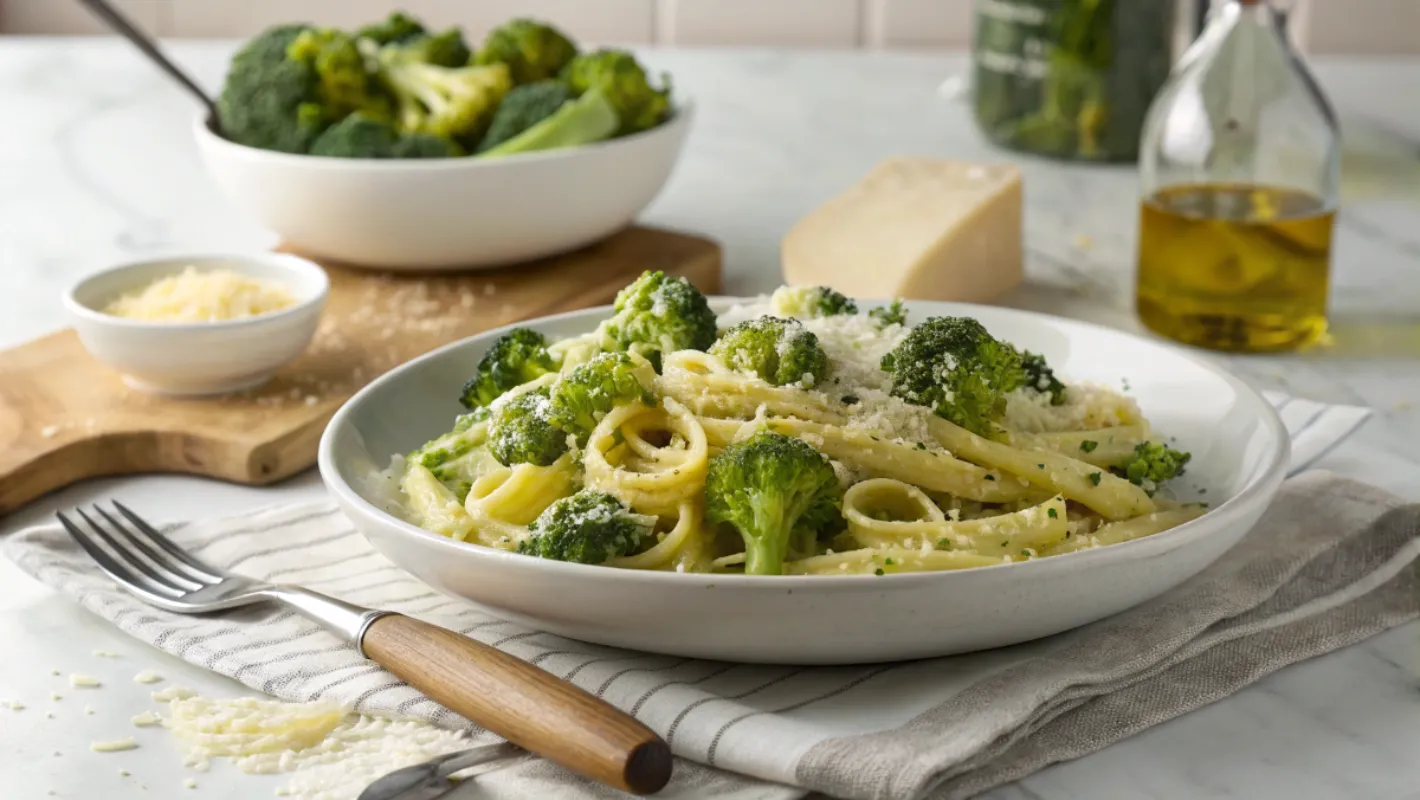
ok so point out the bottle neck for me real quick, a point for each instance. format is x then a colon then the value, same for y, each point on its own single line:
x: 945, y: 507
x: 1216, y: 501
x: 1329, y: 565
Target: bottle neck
x: 1255, y: 12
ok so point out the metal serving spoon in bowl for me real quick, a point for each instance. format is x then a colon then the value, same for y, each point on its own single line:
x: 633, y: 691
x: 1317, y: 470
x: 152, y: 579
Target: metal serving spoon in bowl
x: 430, y: 779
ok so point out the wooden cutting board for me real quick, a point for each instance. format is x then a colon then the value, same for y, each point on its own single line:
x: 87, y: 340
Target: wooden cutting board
x: 65, y: 417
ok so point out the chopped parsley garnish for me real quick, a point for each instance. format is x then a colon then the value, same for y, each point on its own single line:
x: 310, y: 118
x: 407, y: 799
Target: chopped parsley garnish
x: 944, y: 544
x: 888, y: 562
x: 1095, y: 478
x: 921, y: 446
x: 849, y: 399
x: 878, y: 571
x: 1028, y: 553
x: 1050, y: 512
x: 990, y: 477
x: 1040, y: 466
x: 1089, y: 445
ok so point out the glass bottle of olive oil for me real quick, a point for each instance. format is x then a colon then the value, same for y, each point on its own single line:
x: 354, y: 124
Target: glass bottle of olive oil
x: 1240, y: 164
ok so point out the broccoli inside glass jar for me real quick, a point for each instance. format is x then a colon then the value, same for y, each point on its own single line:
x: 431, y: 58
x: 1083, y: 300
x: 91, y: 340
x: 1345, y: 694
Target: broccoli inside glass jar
x: 1070, y: 78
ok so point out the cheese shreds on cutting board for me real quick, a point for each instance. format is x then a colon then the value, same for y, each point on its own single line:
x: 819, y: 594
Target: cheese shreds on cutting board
x: 915, y: 228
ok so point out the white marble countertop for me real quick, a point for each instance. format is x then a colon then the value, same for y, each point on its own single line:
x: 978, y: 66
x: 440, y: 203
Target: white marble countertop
x: 96, y: 165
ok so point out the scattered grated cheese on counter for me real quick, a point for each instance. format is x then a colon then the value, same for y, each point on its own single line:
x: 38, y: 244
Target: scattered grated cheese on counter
x: 147, y: 719
x: 172, y: 693
x: 84, y: 681
x: 190, y: 783
x: 88, y: 709
x: 330, y: 752
x: 105, y: 654
x: 147, y: 676
x: 114, y: 745
x: 202, y: 296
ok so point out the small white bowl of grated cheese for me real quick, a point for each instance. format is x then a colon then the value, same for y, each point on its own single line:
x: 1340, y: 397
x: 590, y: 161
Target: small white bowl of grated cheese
x: 199, y: 325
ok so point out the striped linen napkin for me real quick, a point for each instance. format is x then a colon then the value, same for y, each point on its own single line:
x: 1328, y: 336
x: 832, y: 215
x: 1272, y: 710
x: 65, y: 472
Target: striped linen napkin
x: 1331, y: 563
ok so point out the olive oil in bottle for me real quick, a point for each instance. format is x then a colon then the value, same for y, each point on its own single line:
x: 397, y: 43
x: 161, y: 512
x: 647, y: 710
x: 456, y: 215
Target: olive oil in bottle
x: 1240, y: 164
x: 1235, y: 266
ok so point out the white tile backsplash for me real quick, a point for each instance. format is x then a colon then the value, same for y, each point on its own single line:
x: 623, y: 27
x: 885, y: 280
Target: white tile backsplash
x: 801, y: 23
x: 613, y: 21
x: 1365, y: 27
x: 917, y: 23
x: 69, y: 17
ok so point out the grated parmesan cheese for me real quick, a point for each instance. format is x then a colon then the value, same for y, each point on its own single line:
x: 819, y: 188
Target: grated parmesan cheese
x: 329, y: 752
x: 147, y: 676
x: 114, y: 745
x: 172, y: 693
x: 147, y: 719
x: 84, y: 682
x: 202, y: 296
x: 1087, y: 406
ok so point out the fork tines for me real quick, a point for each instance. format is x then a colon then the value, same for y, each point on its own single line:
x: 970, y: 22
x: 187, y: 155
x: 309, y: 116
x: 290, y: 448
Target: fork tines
x: 137, y: 554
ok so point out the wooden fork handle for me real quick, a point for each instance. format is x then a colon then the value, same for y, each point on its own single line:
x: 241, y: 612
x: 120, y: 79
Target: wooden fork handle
x: 524, y: 704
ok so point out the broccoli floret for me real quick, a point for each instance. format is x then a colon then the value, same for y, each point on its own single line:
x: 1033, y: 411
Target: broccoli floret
x: 778, y: 492
x: 590, y: 527
x: 638, y: 105
x: 518, y: 356
x: 659, y: 314
x: 269, y: 100
x: 357, y: 136
x: 451, y: 102
x: 589, y: 118
x: 781, y: 351
x: 583, y: 396
x: 446, y: 49
x: 1152, y: 464
x: 448, y: 457
x: 891, y: 314
x: 1040, y: 377
x: 363, y: 136
x: 344, y: 84
x: 397, y: 27
x: 955, y: 367
x: 426, y: 145
x: 532, y: 50
x: 524, y: 107
x: 520, y: 431
x: 808, y: 302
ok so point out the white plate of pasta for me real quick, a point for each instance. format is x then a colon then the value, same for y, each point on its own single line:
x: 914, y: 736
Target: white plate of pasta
x: 802, y: 478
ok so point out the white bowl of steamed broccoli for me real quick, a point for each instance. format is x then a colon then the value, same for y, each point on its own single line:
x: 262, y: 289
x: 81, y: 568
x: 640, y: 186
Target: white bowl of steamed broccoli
x: 402, y: 148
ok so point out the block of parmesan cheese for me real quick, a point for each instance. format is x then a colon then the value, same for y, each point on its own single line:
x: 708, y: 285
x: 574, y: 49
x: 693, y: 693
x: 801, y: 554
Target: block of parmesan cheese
x: 915, y: 228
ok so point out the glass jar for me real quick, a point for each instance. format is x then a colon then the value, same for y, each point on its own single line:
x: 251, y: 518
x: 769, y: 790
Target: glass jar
x: 1240, y: 174
x: 1073, y: 78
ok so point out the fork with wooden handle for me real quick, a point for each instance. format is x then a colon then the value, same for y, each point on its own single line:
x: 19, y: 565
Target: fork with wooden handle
x: 520, y: 702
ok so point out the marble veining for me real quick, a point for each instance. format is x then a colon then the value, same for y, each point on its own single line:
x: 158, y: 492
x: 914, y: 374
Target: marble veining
x: 97, y: 165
